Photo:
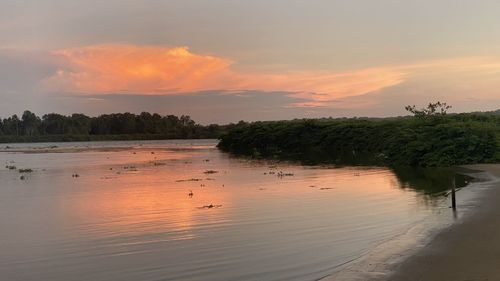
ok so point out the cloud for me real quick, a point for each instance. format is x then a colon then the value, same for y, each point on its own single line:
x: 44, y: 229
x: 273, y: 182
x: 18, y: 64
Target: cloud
x: 153, y: 70
x: 135, y: 70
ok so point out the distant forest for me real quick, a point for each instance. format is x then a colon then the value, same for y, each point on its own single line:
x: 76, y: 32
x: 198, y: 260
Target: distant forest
x: 117, y: 126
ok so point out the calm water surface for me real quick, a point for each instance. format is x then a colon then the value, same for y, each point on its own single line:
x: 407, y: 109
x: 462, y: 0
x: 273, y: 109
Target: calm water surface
x: 128, y: 215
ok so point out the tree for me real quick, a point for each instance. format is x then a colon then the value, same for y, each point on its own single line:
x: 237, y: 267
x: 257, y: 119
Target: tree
x: 54, y: 123
x: 433, y: 109
x: 80, y: 124
x: 30, y: 123
x: 12, y: 125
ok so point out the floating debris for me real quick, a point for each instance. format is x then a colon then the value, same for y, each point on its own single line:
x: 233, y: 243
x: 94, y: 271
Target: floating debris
x: 130, y: 168
x: 75, y: 175
x: 152, y: 152
x: 190, y: 194
x: 11, y: 167
x: 210, y: 172
x: 22, y: 178
x: 210, y: 179
x: 25, y: 170
x: 193, y: 179
x: 325, y: 188
x: 281, y: 174
x: 159, y: 164
x: 312, y: 186
x: 207, y: 160
x: 262, y: 188
x: 211, y: 206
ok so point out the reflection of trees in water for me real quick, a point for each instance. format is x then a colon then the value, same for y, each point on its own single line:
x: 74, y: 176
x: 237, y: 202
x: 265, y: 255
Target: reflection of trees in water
x: 430, y: 181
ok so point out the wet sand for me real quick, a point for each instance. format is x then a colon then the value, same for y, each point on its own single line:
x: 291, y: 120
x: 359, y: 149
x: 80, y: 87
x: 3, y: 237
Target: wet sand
x: 468, y: 251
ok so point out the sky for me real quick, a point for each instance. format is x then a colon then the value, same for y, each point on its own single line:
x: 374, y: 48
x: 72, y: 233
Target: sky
x: 222, y: 61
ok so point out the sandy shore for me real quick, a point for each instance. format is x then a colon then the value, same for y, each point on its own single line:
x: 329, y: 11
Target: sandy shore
x: 468, y: 251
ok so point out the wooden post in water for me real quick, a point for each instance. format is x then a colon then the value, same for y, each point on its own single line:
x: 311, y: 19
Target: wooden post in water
x: 453, y: 197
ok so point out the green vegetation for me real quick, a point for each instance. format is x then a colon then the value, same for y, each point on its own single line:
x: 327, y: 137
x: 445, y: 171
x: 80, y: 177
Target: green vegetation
x: 119, y: 126
x: 430, y: 138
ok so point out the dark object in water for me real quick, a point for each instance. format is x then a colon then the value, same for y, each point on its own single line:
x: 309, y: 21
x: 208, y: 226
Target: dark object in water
x: 75, y: 175
x: 190, y: 194
x: 25, y: 170
x: 22, y: 177
x: 281, y: 174
x: 210, y: 172
x: 211, y: 206
x: 193, y: 179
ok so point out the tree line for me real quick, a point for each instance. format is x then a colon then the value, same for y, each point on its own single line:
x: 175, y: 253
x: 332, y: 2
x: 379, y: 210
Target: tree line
x: 429, y: 138
x: 124, y: 125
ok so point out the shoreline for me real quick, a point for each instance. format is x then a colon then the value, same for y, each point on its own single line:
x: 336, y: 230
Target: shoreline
x: 468, y: 250
x: 412, y: 255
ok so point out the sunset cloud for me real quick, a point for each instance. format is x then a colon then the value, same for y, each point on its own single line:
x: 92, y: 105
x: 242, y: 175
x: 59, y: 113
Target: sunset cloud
x: 136, y: 69
x: 152, y: 70
x: 166, y: 71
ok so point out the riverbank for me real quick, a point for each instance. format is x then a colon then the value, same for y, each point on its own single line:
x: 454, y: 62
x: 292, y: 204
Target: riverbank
x: 469, y: 250
x: 423, y: 251
x: 6, y: 140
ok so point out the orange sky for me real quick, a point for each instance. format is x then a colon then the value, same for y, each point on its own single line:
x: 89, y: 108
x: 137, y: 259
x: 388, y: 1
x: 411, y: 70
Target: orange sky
x: 159, y: 70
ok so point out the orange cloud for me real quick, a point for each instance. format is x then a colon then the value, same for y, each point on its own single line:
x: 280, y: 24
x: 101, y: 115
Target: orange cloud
x: 154, y: 70
x: 134, y: 69
x: 160, y: 70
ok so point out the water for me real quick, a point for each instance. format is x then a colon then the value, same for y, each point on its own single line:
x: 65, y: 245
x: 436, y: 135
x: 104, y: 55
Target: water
x: 128, y: 214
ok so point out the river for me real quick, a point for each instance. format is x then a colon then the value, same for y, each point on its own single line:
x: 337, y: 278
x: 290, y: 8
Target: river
x: 183, y: 210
